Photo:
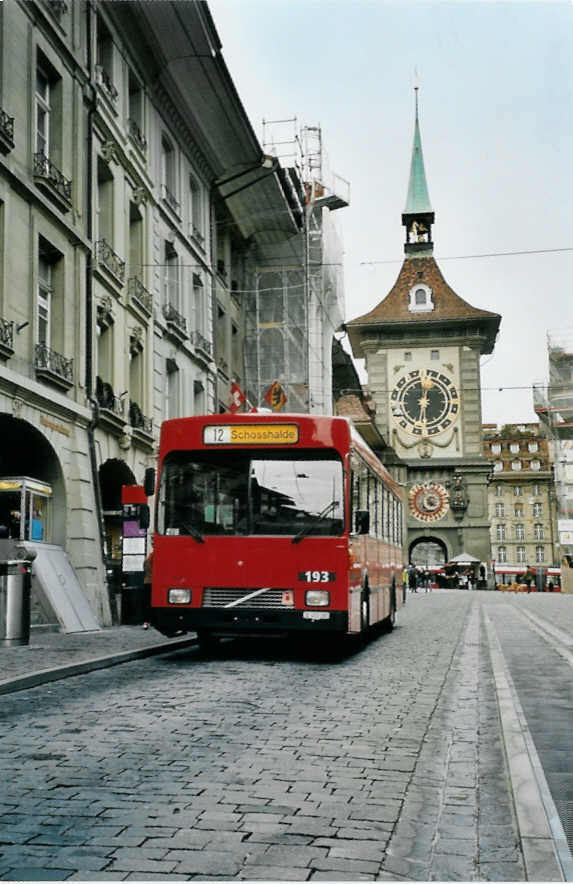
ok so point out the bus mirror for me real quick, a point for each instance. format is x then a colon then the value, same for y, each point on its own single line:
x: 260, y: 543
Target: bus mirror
x: 149, y: 482
x: 362, y: 521
x: 144, y: 516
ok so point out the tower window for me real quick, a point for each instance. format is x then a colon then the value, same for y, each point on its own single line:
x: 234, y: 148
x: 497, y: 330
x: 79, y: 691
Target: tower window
x: 420, y: 299
x: 434, y: 354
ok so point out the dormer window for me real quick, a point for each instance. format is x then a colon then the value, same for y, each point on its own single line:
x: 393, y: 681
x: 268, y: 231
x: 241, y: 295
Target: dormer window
x: 420, y: 299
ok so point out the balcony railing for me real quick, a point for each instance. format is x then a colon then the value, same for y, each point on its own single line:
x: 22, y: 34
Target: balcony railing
x: 138, y: 420
x: 105, y: 82
x: 175, y: 319
x: 53, y: 366
x: 197, y: 235
x: 137, y: 135
x: 169, y: 199
x: 223, y: 366
x: 107, y: 399
x: 6, y: 337
x: 202, y: 343
x: 106, y: 256
x: 49, y: 176
x: 6, y: 132
x: 139, y: 295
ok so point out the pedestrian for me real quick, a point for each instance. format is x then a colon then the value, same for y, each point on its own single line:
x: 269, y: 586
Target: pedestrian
x: 412, y: 579
x: 549, y: 586
x: 426, y: 581
x: 528, y: 578
x: 404, y: 582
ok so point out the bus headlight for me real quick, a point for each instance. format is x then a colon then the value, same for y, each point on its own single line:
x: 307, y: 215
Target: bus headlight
x: 317, y: 598
x: 178, y: 596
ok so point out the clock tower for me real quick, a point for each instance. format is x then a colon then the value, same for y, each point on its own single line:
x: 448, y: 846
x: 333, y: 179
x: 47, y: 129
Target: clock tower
x: 422, y: 345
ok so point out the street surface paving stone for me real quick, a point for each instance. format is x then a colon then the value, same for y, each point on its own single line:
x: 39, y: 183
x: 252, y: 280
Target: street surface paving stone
x: 262, y: 763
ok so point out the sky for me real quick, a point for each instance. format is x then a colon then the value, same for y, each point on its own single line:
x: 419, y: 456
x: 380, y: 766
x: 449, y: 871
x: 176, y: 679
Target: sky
x: 496, y: 99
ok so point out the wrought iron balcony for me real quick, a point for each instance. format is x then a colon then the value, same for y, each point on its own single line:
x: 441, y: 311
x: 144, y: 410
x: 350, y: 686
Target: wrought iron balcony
x: 106, y: 257
x: 49, y: 177
x: 6, y: 132
x: 6, y: 337
x: 137, y: 135
x: 197, y: 235
x: 223, y: 366
x: 202, y: 343
x: 138, y: 420
x: 169, y: 199
x: 174, y: 319
x: 53, y: 367
x: 107, y: 399
x: 139, y: 295
x: 104, y: 81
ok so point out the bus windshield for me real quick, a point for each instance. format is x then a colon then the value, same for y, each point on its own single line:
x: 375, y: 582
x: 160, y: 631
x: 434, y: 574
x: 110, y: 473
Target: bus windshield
x: 247, y: 493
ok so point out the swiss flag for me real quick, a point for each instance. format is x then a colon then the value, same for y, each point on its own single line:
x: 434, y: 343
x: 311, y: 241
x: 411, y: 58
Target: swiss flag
x: 237, y: 399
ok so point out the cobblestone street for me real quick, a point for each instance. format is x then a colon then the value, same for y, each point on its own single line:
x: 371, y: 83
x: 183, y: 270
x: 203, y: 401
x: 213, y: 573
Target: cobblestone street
x: 268, y: 763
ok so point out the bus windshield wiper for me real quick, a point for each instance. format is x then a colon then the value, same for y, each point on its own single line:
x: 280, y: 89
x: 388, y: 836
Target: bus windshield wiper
x: 190, y: 529
x: 309, y: 528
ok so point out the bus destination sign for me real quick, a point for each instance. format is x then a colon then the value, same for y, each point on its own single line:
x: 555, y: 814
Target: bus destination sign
x: 250, y: 434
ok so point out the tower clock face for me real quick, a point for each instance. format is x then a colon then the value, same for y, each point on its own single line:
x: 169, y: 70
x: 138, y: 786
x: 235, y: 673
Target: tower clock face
x: 425, y: 402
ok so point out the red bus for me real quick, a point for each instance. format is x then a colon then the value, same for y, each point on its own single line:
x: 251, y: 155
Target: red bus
x: 273, y: 524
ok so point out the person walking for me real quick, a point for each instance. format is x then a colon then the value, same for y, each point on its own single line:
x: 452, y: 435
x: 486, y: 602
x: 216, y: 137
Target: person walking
x: 412, y: 579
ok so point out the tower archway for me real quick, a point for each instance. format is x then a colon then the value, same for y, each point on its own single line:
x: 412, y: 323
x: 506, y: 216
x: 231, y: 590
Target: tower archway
x: 427, y: 551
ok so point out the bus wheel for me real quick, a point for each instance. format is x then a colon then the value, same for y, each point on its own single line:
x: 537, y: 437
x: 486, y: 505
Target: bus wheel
x: 208, y: 642
x: 364, y: 614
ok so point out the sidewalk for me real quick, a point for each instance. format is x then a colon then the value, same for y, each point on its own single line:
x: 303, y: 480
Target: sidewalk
x: 54, y: 655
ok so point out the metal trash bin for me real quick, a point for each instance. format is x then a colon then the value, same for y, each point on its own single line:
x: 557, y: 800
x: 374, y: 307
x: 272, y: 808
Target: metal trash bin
x: 15, y: 592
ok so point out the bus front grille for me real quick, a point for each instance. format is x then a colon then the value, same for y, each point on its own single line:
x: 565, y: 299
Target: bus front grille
x: 222, y: 596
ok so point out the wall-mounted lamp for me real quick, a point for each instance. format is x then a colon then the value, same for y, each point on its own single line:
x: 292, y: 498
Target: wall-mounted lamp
x: 22, y: 326
x: 268, y: 163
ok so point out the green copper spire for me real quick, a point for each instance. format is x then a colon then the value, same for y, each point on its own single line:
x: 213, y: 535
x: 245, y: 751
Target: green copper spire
x: 418, y: 200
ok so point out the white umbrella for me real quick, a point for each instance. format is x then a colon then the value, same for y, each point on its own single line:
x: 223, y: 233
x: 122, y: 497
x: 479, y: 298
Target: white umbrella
x: 463, y: 559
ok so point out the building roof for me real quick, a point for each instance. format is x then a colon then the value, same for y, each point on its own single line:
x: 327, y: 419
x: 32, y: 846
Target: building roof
x: 449, y: 307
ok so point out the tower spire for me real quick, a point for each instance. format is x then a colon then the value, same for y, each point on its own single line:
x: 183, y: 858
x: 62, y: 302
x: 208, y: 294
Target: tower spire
x: 418, y: 216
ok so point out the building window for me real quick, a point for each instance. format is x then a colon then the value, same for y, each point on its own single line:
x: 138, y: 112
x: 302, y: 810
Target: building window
x: 44, y: 299
x: 171, y: 276
x: 521, y: 554
x: 516, y: 465
x: 168, y: 174
x: 43, y: 111
x: 172, y: 397
x: 105, y: 202
x: 495, y: 448
x: 517, y: 491
x: 535, y: 464
x: 539, y: 554
x: 499, y: 510
x: 420, y: 299
x: 408, y: 356
x: 104, y: 66
x: 537, y: 509
x: 533, y: 446
x: 520, y: 531
x: 498, y: 466
x: 538, y: 531
x: 499, y: 490
x: 197, y: 227
x: 502, y: 554
x: 536, y: 490
x: 434, y: 354
x: 500, y: 532
x: 514, y: 447
x: 518, y: 510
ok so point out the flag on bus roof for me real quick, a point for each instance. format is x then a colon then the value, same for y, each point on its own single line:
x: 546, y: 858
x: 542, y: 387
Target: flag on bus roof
x: 237, y: 399
x: 276, y: 396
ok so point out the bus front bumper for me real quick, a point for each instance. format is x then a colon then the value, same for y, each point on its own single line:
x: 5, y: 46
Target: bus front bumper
x: 171, y: 621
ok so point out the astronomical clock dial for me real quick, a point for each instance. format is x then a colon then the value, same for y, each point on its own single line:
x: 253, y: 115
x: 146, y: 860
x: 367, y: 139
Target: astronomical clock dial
x: 428, y: 501
x: 425, y: 402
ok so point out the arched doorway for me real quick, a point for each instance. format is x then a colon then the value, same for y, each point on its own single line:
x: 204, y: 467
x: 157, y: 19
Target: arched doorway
x: 113, y: 474
x: 27, y: 457
x: 426, y: 552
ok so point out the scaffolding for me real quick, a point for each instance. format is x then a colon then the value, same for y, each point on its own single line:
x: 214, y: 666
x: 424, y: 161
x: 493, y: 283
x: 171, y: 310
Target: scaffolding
x: 297, y: 302
x: 553, y: 403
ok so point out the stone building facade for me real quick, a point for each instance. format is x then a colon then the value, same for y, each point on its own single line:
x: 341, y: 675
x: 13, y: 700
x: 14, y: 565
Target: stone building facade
x: 521, y: 496
x: 133, y: 193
